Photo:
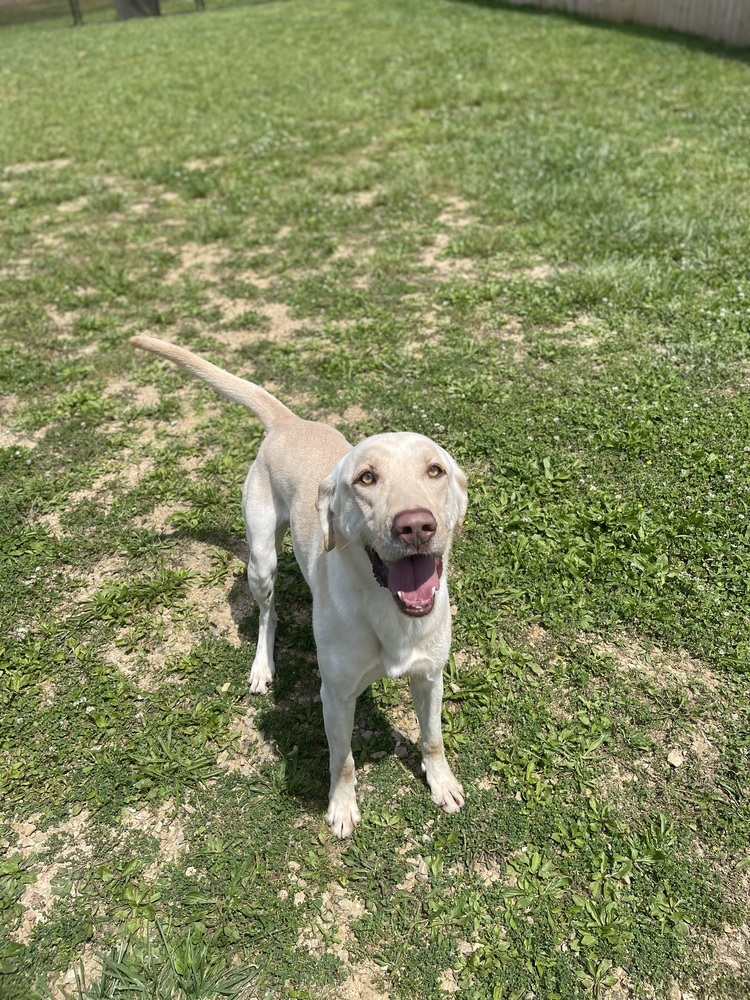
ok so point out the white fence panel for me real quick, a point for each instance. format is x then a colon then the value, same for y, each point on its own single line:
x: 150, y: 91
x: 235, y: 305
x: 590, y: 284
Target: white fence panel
x: 723, y: 20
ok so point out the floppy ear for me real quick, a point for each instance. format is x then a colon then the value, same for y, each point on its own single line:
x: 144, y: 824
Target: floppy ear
x: 326, y: 493
x: 460, y: 491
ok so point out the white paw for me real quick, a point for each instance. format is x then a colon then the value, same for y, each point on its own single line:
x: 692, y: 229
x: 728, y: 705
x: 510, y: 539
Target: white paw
x: 260, y: 677
x: 447, y: 792
x: 342, y: 817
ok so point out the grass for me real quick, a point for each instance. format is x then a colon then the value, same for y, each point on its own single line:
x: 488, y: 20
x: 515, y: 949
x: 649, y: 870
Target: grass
x: 520, y: 233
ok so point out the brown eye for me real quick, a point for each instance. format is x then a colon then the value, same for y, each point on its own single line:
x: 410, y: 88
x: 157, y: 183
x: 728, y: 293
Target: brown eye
x: 435, y: 471
x: 367, y: 478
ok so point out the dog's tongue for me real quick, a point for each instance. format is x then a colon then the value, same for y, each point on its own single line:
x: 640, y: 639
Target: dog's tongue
x: 415, y: 578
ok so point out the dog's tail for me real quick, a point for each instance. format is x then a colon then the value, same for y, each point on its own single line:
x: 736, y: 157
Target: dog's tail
x: 266, y: 407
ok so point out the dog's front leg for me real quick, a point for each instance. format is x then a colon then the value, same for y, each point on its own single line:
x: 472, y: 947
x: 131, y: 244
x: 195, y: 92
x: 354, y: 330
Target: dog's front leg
x: 427, y: 693
x: 338, y: 715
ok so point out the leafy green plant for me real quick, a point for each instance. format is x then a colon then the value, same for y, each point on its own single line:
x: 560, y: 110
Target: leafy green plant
x: 164, y: 965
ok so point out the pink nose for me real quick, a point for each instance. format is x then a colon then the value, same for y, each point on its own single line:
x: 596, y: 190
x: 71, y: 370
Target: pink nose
x: 414, y: 527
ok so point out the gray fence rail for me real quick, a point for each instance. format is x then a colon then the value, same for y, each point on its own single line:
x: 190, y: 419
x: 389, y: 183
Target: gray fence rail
x: 88, y: 11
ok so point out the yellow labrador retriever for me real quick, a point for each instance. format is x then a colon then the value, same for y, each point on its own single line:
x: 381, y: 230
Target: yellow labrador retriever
x: 372, y: 527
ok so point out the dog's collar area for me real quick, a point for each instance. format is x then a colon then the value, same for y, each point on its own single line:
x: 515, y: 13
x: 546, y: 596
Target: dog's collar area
x: 413, y: 581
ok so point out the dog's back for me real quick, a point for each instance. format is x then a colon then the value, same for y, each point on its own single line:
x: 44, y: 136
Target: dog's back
x: 300, y: 452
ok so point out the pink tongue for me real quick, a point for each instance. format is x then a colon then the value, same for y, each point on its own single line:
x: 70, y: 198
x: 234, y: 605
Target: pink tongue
x: 415, y: 577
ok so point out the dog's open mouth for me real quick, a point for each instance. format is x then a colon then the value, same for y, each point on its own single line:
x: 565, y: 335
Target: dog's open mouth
x: 413, y: 581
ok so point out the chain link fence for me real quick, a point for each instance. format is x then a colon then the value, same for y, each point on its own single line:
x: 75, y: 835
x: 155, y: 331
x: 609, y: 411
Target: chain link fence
x: 88, y: 11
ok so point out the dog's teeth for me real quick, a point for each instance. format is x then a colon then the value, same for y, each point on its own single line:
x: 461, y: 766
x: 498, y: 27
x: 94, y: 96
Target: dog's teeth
x: 400, y: 595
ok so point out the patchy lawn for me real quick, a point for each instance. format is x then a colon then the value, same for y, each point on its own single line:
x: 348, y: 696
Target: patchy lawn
x: 522, y: 234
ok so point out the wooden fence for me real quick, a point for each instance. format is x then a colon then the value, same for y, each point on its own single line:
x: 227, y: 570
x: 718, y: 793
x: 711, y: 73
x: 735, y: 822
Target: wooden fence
x: 725, y: 21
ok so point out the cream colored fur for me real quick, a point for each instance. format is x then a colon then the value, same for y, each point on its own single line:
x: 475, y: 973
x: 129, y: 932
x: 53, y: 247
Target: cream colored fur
x: 307, y: 477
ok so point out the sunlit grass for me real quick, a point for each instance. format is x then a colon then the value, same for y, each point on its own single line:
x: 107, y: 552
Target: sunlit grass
x: 521, y: 234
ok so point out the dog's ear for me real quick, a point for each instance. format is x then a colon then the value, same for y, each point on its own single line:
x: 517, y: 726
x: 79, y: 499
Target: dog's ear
x: 326, y: 493
x: 461, y: 493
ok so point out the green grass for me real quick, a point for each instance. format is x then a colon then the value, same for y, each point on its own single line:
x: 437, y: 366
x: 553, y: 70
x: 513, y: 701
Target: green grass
x: 523, y: 234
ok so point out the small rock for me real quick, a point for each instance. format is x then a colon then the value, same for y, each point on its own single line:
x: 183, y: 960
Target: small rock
x: 675, y: 758
x: 468, y: 948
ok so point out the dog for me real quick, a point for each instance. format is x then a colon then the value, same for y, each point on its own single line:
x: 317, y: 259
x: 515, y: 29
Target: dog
x: 372, y: 528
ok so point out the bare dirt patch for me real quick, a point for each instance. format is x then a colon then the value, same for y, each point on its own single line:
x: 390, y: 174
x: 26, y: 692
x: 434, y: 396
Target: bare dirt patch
x: 283, y: 325
x: 167, y: 825
x: 199, y: 260
x: 10, y: 436
x: 38, y: 897
x: 104, y: 489
x: 728, y: 959
x: 454, y: 216
x: 32, y: 840
x: 73, y: 206
x: 205, y: 162
x: 353, y: 414
x: 456, y: 213
x: 657, y: 665
x: 583, y: 331
x: 733, y: 949
x: 105, y: 571
x: 363, y: 983
x: 330, y: 931
x: 159, y: 520
x: 354, y: 248
x: 539, y: 272
x: 62, y: 322
x: 224, y: 607
x: 31, y: 166
x: 253, y: 747
x: 364, y: 199
x: 143, y: 397
x: 488, y: 870
x: 19, y: 439
x: 280, y: 326
x: 507, y: 332
x: 142, y: 667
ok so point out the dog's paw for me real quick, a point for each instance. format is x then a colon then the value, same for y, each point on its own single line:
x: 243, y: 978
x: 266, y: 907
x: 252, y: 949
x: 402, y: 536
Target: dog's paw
x: 447, y: 792
x: 260, y: 678
x: 342, y: 817
x: 449, y: 796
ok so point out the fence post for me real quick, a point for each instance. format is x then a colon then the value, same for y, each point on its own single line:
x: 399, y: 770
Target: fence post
x: 136, y: 8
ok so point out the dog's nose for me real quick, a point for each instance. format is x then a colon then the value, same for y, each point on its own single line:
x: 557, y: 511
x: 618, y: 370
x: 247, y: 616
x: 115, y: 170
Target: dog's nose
x: 414, y: 527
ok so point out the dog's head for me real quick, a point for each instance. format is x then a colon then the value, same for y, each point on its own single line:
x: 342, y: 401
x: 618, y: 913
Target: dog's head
x: 399, y: 497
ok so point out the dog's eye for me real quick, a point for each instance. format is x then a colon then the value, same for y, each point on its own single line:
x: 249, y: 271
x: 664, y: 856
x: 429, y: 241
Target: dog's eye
x: 435, y: 471
x: 367, y: 478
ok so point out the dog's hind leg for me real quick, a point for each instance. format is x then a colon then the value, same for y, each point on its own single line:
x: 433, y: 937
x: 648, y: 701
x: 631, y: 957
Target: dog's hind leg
x: 265, y: 527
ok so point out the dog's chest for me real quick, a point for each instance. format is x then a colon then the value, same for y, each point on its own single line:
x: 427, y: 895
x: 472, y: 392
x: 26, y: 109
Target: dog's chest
x: 416, y: 650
